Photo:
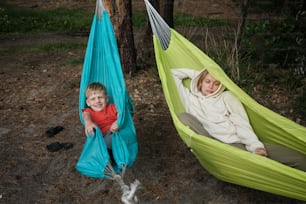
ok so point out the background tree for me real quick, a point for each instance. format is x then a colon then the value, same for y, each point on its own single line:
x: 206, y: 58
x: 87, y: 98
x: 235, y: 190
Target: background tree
x: 168, y: 6
x: 121, y: 15
x: 146, y: 53
x: 280, y: 39
x: 165, y: 7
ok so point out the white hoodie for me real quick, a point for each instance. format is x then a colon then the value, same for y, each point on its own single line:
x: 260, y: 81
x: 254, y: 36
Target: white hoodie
x: 220, y: 113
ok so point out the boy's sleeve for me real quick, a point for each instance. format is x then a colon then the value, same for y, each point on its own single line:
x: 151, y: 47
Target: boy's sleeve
x: 85, y: 110
x: 113, y: 108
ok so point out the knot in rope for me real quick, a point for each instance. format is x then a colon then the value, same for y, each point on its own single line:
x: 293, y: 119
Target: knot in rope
x: 128, y: 192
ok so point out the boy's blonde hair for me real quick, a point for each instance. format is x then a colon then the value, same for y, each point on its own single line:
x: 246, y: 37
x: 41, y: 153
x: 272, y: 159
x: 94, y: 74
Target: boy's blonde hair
x: 95, y: 86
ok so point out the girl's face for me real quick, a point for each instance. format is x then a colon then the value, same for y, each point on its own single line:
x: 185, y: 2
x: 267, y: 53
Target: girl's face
x: 209, y: 85
x: 97, y: 100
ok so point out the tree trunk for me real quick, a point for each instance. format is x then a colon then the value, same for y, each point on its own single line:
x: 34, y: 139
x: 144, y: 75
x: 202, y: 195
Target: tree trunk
x: 168, y: 12
x: 145, y: 53
x: 120, y: 12
x: 244, y: 13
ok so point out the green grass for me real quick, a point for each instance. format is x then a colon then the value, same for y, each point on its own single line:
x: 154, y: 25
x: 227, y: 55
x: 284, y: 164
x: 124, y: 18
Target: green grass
x: 182, y: 19
x: 57, y: 47
x: 140, y: 19
x: 51, y: 47
x: 15, y: 19
x: 74, y: 61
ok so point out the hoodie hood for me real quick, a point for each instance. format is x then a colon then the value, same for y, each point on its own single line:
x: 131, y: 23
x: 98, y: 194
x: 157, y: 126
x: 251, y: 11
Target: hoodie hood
x: 195, y: 91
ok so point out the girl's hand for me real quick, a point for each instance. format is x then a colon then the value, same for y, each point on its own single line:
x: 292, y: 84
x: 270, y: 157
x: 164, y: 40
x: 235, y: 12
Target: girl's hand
x: 261, y: 151
x: 114, y: 127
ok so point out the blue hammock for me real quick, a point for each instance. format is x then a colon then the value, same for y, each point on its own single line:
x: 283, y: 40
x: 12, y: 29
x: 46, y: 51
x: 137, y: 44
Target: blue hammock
x: 102, y: 64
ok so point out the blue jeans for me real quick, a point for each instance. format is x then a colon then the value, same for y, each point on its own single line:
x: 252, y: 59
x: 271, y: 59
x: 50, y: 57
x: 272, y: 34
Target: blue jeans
x: 108, y: 139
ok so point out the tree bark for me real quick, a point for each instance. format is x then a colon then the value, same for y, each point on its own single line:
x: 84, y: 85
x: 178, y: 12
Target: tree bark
x: 146, y: 52
x: 120, y: 12
x: 244, y: 13
x: 168, y: 12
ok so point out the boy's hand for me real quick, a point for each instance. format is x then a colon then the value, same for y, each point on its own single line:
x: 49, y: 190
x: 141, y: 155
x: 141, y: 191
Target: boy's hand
x: 89, y: 125
x: 114, y: 127
x: 261, y: 151
x: 90, y: 129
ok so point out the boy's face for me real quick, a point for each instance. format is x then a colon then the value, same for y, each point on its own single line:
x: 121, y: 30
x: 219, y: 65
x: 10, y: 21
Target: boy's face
x: 97, y: 100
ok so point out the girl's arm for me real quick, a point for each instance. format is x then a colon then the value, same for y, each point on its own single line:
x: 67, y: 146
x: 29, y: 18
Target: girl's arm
x: 179, y: 75
x: 183, y: 73
x: 239, y: 118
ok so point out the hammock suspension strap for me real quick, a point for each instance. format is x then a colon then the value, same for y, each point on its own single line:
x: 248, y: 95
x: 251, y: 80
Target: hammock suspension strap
x: 159, y: 27
x: 99, y: 8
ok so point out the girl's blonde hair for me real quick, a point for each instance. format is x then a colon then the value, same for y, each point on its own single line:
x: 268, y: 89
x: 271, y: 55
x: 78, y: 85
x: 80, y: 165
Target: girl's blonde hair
x: 201, y: 78
x: 95, y: 86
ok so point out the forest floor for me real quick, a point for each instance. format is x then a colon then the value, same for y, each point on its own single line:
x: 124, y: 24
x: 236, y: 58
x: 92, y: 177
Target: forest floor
x: 40, y: 90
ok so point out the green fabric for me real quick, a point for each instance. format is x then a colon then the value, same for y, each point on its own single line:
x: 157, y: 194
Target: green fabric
x: 224, y: 161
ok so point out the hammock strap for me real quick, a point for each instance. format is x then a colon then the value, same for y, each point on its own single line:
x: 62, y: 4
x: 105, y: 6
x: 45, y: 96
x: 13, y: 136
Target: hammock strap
x: 159, y: 27
x: 99, y: 8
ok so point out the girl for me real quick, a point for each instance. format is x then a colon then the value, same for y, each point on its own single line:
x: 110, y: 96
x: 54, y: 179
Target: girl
x: 224, y: 118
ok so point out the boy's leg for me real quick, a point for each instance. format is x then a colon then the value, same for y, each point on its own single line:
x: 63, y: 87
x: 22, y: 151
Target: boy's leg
x: 108, y: 142
x: 108, y: 139
x: 286, y: 156
x: 193, y: 123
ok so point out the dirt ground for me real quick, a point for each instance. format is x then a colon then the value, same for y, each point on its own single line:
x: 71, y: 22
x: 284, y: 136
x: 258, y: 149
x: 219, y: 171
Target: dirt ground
x: 39, y: 90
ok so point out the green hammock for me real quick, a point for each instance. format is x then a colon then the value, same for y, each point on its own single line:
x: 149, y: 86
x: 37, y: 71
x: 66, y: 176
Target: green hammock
x: 225, y: 162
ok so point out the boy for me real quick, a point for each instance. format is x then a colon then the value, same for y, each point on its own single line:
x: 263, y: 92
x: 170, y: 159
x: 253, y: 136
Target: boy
x: 99, y: 113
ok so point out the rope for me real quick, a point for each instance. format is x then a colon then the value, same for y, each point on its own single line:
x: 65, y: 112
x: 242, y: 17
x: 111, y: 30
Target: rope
x: 128, y: 192
x: 109, y: 171
x: 159, y: 27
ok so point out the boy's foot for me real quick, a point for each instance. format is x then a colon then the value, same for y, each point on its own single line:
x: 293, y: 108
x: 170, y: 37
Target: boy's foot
x: 53, y: 131
x: 55, y: 146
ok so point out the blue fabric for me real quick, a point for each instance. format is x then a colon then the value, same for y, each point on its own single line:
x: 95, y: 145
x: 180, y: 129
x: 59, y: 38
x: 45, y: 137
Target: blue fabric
x: 94, y: 157
x: 102, y: 64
